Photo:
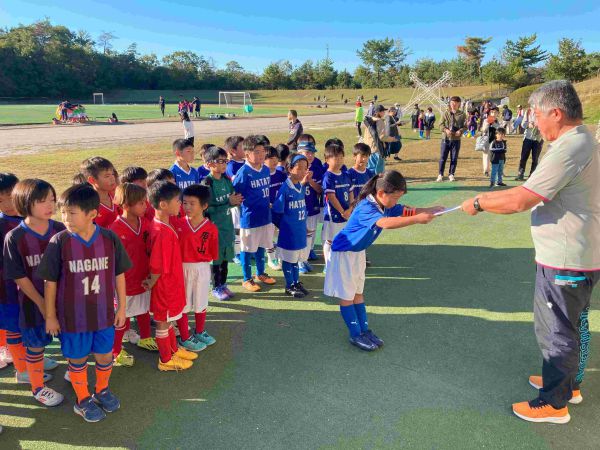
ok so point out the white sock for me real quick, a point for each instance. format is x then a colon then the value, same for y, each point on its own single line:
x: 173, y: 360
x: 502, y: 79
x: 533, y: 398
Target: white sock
x: 327, y: 252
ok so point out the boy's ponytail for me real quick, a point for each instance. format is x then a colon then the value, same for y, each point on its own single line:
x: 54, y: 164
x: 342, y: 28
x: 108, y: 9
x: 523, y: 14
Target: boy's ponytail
x: 389, y: 181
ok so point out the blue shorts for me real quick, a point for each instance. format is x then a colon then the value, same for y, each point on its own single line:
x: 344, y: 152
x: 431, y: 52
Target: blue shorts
x: 35, y: 337
x: 80, y: 345
x: 9, y: 318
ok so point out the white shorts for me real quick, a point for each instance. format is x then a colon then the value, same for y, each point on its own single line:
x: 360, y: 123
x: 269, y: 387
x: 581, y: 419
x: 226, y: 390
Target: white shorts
x: 330, y: 229
x: 137, y: 304
x: 252, y: 238
x: 345, y: 275
x: 291, y: 256
x: 321, y: 215
x: 312, y: 222
x: 235, y: 217
x: 197, y: 284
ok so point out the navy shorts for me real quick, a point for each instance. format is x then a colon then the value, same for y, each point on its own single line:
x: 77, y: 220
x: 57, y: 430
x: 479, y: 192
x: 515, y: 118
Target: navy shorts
x: 80, y: 345
x: 35, y: 337
x: 9, y: 318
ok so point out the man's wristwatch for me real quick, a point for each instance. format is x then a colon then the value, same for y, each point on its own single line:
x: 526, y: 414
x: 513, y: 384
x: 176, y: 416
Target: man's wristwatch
x: 477, y: 206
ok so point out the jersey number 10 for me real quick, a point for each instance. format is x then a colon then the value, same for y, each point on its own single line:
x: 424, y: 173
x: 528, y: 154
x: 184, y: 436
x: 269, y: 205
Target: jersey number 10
x: 95, y: 286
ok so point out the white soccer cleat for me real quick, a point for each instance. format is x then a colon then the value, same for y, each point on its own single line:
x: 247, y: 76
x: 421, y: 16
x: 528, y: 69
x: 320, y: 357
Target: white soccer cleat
x: 48, y: 396
x: 451, y: 178
x: 131, y: 336
x: 5, y: 356
x: 439, y: 179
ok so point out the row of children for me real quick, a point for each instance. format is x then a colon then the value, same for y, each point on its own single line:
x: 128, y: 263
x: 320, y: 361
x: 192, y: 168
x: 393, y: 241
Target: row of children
x: 83, y: 280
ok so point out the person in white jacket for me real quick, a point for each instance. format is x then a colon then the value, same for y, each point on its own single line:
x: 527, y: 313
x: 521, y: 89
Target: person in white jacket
x: 188, y: 127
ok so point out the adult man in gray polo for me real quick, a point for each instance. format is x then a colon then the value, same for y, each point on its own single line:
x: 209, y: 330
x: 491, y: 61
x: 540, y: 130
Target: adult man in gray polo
x: 564, y: 193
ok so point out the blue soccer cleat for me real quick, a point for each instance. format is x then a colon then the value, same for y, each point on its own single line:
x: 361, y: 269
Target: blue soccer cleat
x: 107, y: 400
x: 373, y: 338
x: 305, y: 267
x: 89, y: 410
x: 193, y: 344
x: 362, y: 342
x: 205, y: 338
x: 312, y: 256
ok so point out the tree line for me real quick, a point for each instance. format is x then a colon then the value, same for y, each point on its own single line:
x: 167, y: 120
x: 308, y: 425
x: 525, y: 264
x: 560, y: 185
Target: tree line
x: 46, y: 60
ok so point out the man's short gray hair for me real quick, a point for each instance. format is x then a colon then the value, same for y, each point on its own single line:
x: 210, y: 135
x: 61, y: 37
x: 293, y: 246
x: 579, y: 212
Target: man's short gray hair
x: 559, y: 94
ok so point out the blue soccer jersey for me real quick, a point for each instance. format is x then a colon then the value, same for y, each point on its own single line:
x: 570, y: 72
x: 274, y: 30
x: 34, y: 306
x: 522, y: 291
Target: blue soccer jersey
x: 203, y: 172
x: 254, y: 185
x: 184, y: 179
x: 313, y: 198
x: 362, y: 230
x: 277, y: 179
x: 291, y: 206
x: 338, y: 184
x: 359, y: 179
x: 232, y: 168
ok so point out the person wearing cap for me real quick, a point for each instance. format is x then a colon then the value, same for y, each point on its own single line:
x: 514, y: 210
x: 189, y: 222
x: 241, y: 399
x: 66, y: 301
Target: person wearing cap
x: 564, y: 196
x: 452, y: 126
x: 376, y: 138
x: 359, y: 117
x: 296, y: 129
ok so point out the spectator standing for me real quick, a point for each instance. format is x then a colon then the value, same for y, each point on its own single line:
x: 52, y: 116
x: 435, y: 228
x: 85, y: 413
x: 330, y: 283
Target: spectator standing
x: 161, y: 103
x: 295, y: 129
x: 429, y: 122
x: 532, y: 145
x: 507, y: 118
x: 359, y: 117
x: 517, y: 125
x: 452, y: 126
x: 414, y: 118
x: 391, y: 130
x: 376, y: 138
x: 371, y: 110
x: 197, y: 104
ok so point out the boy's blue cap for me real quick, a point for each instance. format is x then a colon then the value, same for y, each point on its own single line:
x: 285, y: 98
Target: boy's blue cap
x: 306, y: 146
x: 297, y: 158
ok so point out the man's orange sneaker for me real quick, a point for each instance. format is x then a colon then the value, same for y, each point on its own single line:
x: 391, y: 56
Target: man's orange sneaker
x: 539, y: 411
x: 251, y: 286
x: 265, y: 278
x: 537, y: 382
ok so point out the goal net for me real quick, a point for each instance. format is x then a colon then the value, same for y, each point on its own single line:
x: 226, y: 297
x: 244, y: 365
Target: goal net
x: 98, y: 98
x: 234, y: 99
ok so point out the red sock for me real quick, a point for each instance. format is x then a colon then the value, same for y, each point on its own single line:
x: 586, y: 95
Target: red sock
x: 2, y: 338
x: 173, y: 340
x: 143, y: 321
x: 200, y: 321
x: 118, y: 343
x: 127, y: 324
x: 184, y: 327
x: 163, y: 342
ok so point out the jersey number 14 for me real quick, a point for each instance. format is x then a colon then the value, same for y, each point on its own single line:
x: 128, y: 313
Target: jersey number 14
x: 94, y: 287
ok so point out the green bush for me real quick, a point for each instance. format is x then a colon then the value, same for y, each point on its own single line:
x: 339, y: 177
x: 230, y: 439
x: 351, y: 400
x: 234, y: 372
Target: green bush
x: 521, y: 96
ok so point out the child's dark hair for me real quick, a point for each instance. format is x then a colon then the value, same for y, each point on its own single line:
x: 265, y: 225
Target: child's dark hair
x: 283, y: 151
x: 232, y: 142
x: 213, y: 153
x: 290, y: 159
x: 180, y: 145
x: 251, y: 142
x: 389, y: 181
x: 27, y: 192
x: 82, y: 196
x: 203, y: 149
x: 129, y: 194
x: 361, y: 149
x: 307, y: 137
x: 7, y: 182
x: 162, y: 191
x: 264, y: 139
x: 185, y: 116
x: 335, y: 141
x: 202, y: 193
x: 79, y: 178
x: 333, y: 150
x: 132, y: 173
x: 159, y: 175
x: 271, y: 152
x: 92, y: 167
x: 501, y: 130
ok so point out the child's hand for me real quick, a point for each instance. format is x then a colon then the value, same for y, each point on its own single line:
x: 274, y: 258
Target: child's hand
x: 120, y: 317
x: 148, y: 284
x: 52, y: 326
x: 346, y: 214
x: 424, y: 217
x: 307, y: 178
x: 236, y: 199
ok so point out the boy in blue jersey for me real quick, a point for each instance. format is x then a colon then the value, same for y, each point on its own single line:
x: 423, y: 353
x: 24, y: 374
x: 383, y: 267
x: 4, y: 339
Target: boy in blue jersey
x: 376, y: 209
x: 313, y: 200
x: 283, y: 151
x: 185, y: 174
x: 252, y: 181
x: 204, y: 170
x: 278, y: 177
x: 359, y: 174
x: 235, y: 149
x: 289, y: 210
x: 336, y: 188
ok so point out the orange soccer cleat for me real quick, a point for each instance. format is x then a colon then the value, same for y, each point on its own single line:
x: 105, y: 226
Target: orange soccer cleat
x: 265, y: 278
x: 251, y: 286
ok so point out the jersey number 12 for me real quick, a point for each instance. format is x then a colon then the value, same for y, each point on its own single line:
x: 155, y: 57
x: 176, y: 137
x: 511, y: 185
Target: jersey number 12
x: 95, y: 286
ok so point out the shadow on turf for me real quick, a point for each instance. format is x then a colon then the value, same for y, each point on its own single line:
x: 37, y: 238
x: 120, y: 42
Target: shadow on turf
x: 431, y: 360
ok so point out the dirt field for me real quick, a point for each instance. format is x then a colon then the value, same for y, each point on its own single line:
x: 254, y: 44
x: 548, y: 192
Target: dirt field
x: 35, y: 138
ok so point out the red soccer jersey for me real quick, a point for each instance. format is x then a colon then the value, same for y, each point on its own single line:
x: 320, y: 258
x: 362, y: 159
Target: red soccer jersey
x: 106, y: 216
x: 137, y: 245
x: 150, y: 212
x: 199, y: 244
x: 168, y: 294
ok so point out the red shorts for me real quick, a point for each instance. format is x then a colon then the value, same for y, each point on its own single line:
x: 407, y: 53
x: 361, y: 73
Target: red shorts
x: 165, y: 310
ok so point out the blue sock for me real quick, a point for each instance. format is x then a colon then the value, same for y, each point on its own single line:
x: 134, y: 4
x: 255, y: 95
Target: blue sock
x: 349, y: 316
x: 296, y: 272
x: 245, y: 261
x: 361, y: 314
x: 288, y: 273
x: 260, y: 261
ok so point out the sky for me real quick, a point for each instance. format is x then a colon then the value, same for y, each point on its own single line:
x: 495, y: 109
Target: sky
x: 258, y: 32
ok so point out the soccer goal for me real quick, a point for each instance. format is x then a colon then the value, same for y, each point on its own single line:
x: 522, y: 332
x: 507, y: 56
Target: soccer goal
x: 100, y: 98
x: 234, y: 99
